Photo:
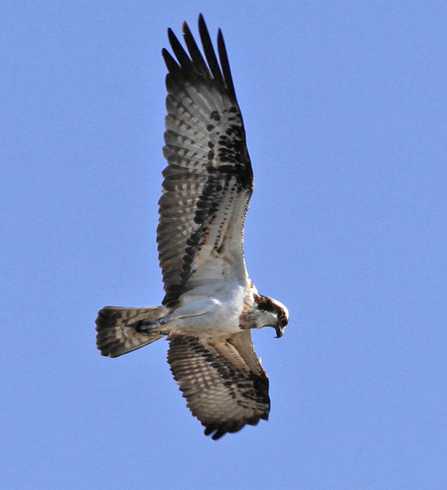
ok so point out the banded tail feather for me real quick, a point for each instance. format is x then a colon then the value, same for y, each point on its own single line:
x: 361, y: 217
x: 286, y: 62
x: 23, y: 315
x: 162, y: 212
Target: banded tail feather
x: 115, y: 335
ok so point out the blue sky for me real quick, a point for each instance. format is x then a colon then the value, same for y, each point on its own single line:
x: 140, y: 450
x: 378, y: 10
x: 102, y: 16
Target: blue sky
x: 345, y: 107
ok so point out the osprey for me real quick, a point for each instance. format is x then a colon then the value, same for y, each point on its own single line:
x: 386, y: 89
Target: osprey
x: 210, y: 304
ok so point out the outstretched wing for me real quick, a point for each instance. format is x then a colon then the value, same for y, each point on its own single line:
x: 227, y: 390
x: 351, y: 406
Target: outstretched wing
x: 222, y: 380
x: 208, y: 181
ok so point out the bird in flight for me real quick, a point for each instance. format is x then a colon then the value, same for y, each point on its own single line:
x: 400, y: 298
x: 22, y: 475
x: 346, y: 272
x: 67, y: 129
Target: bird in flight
x: 210, y: 305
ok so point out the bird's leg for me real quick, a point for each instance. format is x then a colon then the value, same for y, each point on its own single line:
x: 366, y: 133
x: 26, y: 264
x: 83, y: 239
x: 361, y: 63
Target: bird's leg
x: 154, y: 326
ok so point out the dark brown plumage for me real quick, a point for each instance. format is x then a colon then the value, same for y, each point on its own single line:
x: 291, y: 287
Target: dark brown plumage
x: 206, y: 153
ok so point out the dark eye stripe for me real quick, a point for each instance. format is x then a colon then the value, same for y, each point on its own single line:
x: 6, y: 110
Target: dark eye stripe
x: 266, y: 304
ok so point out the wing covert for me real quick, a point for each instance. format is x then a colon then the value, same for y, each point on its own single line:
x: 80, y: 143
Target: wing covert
x: 208, y: 181
x: 222, y: 380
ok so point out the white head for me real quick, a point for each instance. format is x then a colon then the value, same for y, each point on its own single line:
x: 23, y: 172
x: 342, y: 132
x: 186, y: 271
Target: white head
x: 271, y: 313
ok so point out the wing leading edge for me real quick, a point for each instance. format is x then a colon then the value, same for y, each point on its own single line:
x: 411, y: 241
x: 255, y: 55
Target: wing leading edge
x: 222, y: 380
x: 208, y: 180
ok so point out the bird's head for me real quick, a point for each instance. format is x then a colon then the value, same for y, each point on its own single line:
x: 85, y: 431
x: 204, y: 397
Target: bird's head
x: 271, y: 313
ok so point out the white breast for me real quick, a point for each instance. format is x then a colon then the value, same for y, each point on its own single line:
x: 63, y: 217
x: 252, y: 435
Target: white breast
x: 214, y: 308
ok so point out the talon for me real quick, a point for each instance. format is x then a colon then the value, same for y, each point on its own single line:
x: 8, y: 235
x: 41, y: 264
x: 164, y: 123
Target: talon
x: 147, y: 327
x: 143, y: 326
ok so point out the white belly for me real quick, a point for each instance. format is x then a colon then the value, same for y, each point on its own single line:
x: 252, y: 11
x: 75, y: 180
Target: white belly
x: 209, y: 309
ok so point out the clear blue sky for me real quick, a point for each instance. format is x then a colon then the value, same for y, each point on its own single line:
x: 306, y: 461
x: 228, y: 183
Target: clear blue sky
x: 345, y: 106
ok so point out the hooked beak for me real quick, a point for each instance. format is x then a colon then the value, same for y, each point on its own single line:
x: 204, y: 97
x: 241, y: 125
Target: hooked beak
x: 279, y: 330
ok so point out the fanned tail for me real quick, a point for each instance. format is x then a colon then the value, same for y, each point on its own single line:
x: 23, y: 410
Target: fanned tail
x: 115, y: 337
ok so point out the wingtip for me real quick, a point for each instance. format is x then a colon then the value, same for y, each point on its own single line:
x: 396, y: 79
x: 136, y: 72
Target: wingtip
x: 202, y: 24
x: 185, y: 28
